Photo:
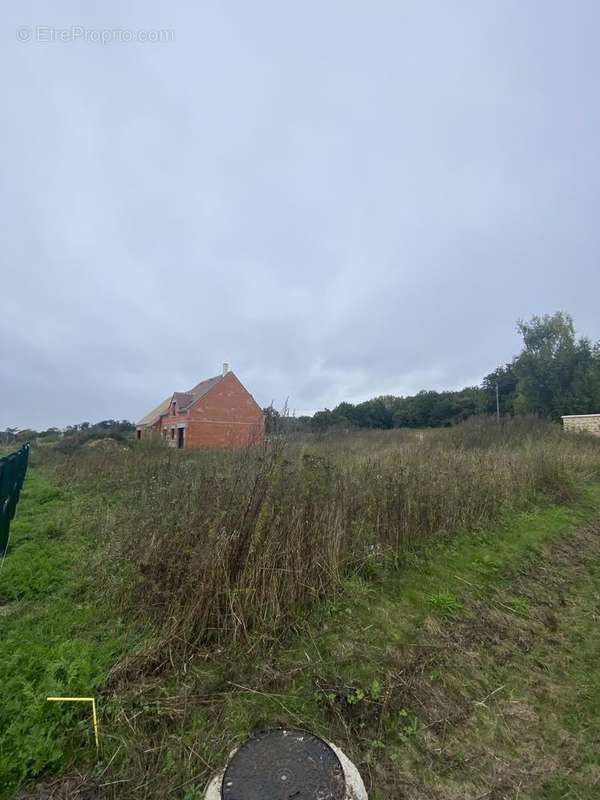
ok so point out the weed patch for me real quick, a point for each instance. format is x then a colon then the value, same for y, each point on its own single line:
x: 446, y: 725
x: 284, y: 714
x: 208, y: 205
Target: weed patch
x: 424, y: 703
x: 213, y: 547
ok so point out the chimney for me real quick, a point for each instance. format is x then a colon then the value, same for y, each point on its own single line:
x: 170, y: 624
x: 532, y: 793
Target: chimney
x: 225, y: 368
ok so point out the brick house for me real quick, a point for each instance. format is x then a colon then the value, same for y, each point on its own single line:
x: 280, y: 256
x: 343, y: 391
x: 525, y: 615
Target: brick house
x: 217, y: 412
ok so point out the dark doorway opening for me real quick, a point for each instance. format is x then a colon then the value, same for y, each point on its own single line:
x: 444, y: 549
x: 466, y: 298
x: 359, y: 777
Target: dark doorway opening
x: 139, y: 434
x: 180, y: 437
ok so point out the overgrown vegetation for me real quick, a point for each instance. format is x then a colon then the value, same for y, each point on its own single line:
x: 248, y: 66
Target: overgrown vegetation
x: 313, y: 582
x: 211, y: 546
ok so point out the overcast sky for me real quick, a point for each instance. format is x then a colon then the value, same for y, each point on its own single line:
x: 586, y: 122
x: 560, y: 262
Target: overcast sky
x: 340, y: 199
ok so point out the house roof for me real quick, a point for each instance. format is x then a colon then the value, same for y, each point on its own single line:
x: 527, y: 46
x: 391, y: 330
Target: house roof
x: 154, y: 415
x: 183, y: 399
x: 202, y: 388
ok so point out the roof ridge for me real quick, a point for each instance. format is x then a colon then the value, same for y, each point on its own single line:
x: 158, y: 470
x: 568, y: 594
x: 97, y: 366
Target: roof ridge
x: 194, y: 394
x: 206, y: 380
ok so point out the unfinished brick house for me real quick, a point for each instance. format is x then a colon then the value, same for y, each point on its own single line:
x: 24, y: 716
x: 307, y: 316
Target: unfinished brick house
x: 217, y: 412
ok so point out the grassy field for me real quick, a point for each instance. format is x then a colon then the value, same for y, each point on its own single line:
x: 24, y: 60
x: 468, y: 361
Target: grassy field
x: 428, y: 600
x: 54, y: 637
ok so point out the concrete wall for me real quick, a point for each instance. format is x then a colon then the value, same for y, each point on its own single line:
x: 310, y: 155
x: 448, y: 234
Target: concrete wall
x: 582, y: 423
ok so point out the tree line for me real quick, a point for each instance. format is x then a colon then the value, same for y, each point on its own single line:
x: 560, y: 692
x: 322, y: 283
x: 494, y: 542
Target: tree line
x: 80, y: 433
x: 555, y: 373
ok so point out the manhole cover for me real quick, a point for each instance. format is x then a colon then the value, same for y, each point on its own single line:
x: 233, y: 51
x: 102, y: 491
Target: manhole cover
x: 284, y: 765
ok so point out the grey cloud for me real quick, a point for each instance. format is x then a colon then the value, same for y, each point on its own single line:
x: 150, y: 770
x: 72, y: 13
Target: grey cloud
x: 339, y: 201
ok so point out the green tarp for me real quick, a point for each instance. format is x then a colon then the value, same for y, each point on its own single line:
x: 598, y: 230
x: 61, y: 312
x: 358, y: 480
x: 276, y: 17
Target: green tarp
x: 12, y: 475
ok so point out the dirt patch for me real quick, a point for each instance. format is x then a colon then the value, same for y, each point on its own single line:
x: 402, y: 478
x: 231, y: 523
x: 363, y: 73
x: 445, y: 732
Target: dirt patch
x: 76, y: 787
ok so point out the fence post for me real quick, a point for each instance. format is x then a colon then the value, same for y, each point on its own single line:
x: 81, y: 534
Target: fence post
x: 13, y: 469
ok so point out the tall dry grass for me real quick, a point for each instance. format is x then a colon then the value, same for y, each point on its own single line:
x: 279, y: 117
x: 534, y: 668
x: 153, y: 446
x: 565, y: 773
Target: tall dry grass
x: 211, y: 545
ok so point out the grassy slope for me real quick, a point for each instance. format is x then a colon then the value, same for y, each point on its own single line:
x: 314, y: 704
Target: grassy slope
x: 53, y: 637
x: 402, y: 671
x: 464, y: 673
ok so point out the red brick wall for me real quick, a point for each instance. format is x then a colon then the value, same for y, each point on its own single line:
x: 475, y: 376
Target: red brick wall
x: 227, y: 416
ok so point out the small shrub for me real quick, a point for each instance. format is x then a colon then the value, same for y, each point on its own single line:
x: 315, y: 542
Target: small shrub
x: 444, y: 603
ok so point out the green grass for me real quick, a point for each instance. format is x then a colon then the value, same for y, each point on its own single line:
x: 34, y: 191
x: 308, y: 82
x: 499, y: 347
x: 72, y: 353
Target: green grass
x: 340, y: 671
x: 573, y: 707
x: 54, y: 637
x: 374, y: 668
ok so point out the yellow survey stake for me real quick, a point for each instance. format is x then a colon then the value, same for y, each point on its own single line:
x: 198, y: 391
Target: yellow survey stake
x: 91, y: 700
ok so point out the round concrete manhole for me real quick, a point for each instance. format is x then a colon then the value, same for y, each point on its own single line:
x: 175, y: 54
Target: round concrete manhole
x: 284, y: 764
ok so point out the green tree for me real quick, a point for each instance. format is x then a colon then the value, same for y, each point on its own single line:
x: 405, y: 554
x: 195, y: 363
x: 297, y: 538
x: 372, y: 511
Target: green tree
x: 506, y: 380
x: 556, y: 373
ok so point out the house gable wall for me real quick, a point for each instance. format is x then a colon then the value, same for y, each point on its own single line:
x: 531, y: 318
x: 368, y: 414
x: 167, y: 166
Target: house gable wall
x: 227, y: 416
